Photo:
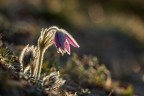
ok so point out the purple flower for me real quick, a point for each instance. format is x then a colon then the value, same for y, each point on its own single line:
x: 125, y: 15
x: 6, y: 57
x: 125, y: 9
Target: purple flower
x: 63, y: 40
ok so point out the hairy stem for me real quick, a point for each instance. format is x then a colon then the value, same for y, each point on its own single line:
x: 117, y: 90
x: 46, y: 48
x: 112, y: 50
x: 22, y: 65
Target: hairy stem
x: 39, y: 64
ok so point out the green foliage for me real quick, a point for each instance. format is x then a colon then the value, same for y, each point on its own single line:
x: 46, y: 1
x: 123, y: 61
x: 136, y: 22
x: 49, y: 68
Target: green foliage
x: 86, y: 72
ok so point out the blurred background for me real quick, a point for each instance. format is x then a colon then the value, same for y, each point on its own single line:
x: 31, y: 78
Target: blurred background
x: 111, y: 30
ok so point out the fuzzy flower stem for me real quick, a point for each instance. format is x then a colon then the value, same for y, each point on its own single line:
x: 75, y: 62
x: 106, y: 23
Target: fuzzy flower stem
x: 45, y: 41
x: 39, y: 65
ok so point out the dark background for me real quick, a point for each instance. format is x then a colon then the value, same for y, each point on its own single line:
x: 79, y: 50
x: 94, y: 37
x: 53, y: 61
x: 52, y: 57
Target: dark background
x: 112, y: 30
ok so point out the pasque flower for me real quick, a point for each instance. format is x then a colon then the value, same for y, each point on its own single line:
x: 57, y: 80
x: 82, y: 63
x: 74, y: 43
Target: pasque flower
x: 63, y: 40
x: 27, y: 56
x: 49, y: 36
x: 31, y: 58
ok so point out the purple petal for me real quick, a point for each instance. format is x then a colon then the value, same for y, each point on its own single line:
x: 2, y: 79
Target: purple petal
x: 67, y: 47
x: 56, y: 45
x: 59, y: 39
x: 72, y: 41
